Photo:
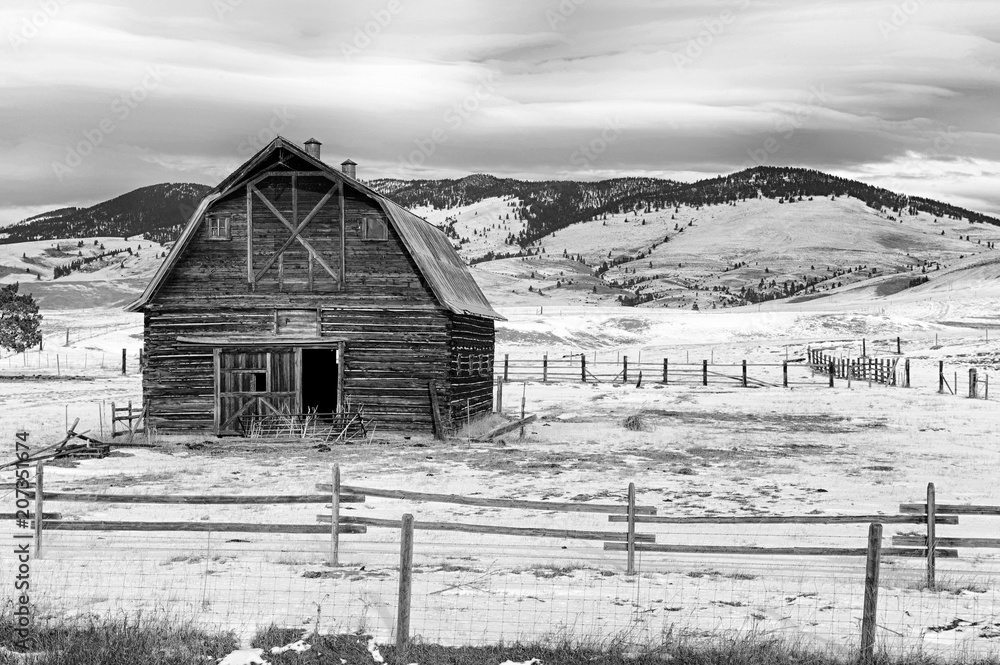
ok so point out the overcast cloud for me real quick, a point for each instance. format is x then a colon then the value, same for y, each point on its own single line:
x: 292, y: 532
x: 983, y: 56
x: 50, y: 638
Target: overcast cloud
x: 100, y: 97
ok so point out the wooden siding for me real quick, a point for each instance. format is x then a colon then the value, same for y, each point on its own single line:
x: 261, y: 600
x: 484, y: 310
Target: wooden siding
x: 471, y: 367
x: 397, y: 337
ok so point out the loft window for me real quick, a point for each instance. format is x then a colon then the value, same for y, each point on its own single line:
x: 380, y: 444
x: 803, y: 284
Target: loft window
x: 218, y: 227
x: 374, y: 228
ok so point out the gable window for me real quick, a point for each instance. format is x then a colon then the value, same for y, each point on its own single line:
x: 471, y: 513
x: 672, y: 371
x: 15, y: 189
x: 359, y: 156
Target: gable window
x: 374, y: 228
x: 218, y: 227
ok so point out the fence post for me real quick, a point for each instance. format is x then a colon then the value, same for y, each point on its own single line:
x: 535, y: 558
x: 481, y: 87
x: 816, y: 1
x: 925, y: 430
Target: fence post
x: 831, y: 373
x: 899, y: 346
x: 583, y: 368
x: 931, y: 535
x: 784, y: 374
x: 545, y: 368
x: 704, y: 372
x: 665, y: 368
x: 67, y: 336
x: 871, y: 592
x: 405, y: 586
x: 123, y: 362
x: 39, y: 507
x: 499, y: 394
x: 631, y: 529
x: 624, y: 369
x: 906, y: 375
x: 864, y: 347
x: 506, y: 367
x: 744, y: 373
x: 335, y: 518
x: 972, y: 383
x: 940, y: 377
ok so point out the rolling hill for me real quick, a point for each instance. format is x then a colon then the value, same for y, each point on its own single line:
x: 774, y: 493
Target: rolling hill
x: 159, y: 211
x: 763, y: 234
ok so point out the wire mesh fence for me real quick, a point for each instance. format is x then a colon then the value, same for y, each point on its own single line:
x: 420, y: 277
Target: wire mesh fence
x: 484, y: 589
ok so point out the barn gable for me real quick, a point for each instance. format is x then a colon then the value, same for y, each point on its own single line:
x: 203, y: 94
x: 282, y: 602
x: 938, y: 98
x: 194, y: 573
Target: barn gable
x: 439, y: 264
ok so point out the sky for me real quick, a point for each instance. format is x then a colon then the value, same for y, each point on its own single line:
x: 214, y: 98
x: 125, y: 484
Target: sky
x: 100, y: 97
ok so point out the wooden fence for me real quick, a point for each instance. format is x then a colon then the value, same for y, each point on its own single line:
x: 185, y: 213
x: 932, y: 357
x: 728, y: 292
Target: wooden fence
x: 887, y: 371
x: 55, y: 522
x: 335, y: 493
x: 662, y: 371
x: 935, y: 514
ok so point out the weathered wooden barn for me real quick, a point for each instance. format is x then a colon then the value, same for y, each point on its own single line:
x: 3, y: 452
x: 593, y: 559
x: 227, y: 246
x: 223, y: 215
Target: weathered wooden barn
x: 296, y: 289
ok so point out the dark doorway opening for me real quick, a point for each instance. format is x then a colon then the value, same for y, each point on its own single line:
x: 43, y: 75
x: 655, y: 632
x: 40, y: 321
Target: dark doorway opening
x: 319, y: 380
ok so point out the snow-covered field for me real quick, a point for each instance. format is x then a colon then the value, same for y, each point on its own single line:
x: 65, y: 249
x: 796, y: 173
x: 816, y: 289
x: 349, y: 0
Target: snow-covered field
x: 717, y: 450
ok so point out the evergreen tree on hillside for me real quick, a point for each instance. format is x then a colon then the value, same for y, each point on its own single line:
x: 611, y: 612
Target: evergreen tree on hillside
x: 20, y: 322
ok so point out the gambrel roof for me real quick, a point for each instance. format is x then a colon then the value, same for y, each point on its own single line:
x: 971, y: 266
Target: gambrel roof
x: 438, y: 262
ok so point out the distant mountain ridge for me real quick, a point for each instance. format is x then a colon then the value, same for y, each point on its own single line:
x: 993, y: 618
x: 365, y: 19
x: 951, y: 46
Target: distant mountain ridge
x: 161, y: 211
x: 549, y: 206
x: 158, y: 211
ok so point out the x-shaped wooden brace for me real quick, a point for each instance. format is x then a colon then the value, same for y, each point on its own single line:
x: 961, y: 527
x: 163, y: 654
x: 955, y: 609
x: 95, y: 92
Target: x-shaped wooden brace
x: 296, y: 231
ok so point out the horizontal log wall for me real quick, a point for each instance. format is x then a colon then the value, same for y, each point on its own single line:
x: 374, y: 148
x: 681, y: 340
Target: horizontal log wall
x: 398, y: 338
x: 471, y: 370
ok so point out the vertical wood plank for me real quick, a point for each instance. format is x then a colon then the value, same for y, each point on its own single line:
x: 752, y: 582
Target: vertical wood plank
x: 631, y: 529
x: 506, y: 367
x: 624, y: 369
x: 435, y: 412
x: 343, y: 233
x: 335, y: 518
x: 250, y: 277
x: 341, y: 362
x: 704, y: 372
x: 666, y: 368
x: 545, y: 368
x: 39, y: 507
x: 868, y: 618
x: 784, y: 374
x: 405, y: 586
x: 931, y: 536
x: 744, y: 373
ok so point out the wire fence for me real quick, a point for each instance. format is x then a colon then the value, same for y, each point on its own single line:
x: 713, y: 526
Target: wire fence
x: 484, y: 589
x: 962, y: 379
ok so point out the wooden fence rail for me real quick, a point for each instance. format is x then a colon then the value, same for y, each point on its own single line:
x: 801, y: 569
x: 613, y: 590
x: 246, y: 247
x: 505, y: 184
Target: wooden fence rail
x: 54, y: 522
x: 663, y: 371
x: 518, y: 504
x: 773, y: 551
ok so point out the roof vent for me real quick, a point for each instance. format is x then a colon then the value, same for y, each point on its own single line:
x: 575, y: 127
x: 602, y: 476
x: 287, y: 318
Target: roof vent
x: 312, y: 148
x: 350, y: 168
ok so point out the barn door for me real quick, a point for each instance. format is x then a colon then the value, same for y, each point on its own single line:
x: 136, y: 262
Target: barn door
x: 251, y: 384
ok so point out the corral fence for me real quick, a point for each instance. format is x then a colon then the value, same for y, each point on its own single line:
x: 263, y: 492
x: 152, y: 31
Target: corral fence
x: 34, y: 500
x: 577, y: 368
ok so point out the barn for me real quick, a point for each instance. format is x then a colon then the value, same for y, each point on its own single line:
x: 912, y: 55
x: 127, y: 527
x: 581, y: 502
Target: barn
x: 295, y: 289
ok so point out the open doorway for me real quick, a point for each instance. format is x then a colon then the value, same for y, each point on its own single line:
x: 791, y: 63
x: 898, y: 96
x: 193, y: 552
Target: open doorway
x: 320, y: 373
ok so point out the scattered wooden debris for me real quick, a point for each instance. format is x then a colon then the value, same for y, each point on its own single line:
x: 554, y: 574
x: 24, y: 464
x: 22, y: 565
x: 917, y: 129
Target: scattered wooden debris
x: 509, y: 427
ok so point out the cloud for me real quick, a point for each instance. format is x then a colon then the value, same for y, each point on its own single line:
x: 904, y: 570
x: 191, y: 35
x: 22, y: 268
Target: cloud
x: 696, y: 88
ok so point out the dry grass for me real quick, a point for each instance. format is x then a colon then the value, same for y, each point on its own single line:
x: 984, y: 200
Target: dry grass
x: 478, y: 428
